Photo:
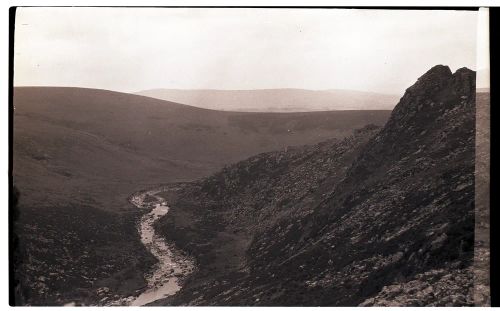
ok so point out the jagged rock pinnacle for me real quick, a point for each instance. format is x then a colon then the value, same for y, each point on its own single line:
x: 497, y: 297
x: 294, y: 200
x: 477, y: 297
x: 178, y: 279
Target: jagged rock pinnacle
x: 433, y: 92
x: 431, y: 81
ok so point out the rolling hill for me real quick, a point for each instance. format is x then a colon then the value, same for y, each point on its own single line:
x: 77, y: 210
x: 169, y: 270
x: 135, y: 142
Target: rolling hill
x: 277, y: 100
x: 78, y: 154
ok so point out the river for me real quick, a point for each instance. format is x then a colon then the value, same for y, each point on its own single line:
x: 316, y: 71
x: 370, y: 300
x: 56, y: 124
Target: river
x: 172, y: 264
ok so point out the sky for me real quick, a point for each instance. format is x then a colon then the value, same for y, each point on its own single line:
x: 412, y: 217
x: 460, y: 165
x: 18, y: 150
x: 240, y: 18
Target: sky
x: 133, y: 49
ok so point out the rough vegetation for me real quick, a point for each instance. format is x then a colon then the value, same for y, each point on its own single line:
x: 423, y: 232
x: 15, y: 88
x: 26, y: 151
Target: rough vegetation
x: 385, y: 217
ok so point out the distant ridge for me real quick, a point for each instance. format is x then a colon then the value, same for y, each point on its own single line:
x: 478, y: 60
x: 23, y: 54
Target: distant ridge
x: 276, y: 100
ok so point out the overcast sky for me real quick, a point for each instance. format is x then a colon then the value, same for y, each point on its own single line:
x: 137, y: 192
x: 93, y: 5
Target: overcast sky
x: 132, y: 49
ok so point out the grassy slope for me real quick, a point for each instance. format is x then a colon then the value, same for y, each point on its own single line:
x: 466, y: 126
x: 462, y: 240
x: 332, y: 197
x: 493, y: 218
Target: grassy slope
x: 78, y: 155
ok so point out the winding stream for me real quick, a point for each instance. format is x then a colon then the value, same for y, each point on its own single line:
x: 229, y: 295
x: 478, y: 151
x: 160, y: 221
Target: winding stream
x: 172, y: 263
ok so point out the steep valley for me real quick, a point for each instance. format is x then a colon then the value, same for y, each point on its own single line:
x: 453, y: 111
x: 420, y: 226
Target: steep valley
x: 339, y: 208
x: 384, y: 217
x: 79, y: 154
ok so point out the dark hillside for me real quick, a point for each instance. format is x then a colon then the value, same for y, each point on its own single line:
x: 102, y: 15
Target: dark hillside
x: 232, y: 206
x: 389, y: 220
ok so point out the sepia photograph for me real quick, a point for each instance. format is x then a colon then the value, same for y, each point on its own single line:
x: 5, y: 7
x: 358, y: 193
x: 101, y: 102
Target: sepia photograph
x: 249, y: 156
